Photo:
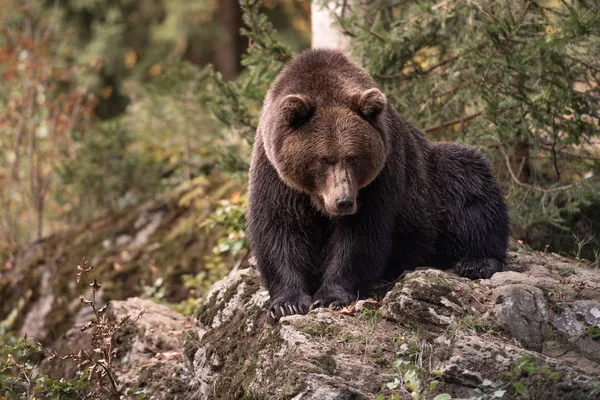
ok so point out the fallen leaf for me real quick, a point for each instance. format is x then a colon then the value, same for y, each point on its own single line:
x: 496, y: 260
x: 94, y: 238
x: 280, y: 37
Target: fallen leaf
x: 349, y: 309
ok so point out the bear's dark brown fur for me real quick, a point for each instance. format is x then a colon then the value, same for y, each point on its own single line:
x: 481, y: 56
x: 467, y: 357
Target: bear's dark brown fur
x: 343, y: 191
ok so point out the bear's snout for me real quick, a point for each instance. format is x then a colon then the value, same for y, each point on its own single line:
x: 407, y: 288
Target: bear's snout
x: 340, y: 191
x: 345, y: 205
x: 340, y: 205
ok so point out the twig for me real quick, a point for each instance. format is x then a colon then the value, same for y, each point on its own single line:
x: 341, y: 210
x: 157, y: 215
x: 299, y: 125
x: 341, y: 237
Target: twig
x: 241, y: 260
x: 417, y: 74
x: 570, y: 153
x: 590, y: 66
x: 110, y: 378
x: 526, y: 185
x: 454, y: 121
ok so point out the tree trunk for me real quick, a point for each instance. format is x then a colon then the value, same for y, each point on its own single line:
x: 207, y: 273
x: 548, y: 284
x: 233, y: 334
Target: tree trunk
x: 520, y: 161
x: 325, y: 32
x: 228, y: 49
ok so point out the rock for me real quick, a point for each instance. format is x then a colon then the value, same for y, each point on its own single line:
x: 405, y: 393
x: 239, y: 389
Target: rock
x: 512, y: 277
x: 522, y: 310
x: 149, y: 353
x: 476, y: 359
x: 580, y: 322
x: 576, y: 317
x: 430, y: 297
x: 303, y: 357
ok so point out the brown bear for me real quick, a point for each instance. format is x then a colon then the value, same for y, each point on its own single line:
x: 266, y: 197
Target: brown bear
x: 343, y: 192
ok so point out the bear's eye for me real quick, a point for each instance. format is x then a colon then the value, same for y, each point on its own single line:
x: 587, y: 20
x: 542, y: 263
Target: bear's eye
x: 326, y: 161
x: 352, y: 161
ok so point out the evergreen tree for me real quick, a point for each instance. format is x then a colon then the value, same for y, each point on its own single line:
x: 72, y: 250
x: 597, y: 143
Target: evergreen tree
x: 517, y: 79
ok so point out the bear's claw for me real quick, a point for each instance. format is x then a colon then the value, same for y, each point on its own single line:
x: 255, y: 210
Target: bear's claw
x: 334, y: 299
x: 285, y: 308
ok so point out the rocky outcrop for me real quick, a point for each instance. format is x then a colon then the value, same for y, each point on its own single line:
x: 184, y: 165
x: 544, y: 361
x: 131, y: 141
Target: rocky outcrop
x: 529, y: 332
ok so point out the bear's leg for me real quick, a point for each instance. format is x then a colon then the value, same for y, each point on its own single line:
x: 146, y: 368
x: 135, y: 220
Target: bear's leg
x: 289, y: 296
x: 286, y: 246
x: 477, y: 238
x: 355, y: 259
x: 284, y: 259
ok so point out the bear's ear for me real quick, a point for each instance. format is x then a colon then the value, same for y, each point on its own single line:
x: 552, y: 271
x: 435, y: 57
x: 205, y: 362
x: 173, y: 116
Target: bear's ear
x: 296, y: 109
x: 371, y: 103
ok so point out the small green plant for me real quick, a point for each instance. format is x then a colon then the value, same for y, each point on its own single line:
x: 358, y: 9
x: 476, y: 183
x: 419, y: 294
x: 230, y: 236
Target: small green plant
x: 581, y: 243
x: 408, y: 376
x: 371, y: 315
x: 593, y: 332
x: 409, y: 348
x: 478, y: 325
x: 20, y: 378
x: 196, y: 284
x: 491, y: 390
x: 231, y: 214
x: 527, y: 379
x: 565, y: 271
x: 156, y: 291
x: 215, y: 267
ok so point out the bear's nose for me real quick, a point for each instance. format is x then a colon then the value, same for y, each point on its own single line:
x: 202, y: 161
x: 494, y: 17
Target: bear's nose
x: 344, y: 204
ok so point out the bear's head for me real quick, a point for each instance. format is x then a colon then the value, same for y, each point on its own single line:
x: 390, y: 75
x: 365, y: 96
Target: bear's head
x: 323, y: 129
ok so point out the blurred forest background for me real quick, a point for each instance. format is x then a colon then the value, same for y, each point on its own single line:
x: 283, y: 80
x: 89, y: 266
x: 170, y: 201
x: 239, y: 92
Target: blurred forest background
x: 126, y: 129
x: 105, y: 104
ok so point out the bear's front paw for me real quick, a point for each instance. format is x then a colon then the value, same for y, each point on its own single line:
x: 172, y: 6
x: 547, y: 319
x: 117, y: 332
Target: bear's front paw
x: 334, y: 298
x: 283, y: 307
x: 482, y: 268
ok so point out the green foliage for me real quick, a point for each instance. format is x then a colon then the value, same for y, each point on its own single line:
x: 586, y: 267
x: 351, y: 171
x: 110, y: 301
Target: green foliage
x: 215, y: 267
x: 566, y: 271
x: 371, y: 315
x: 408, y: 375
x: 130, y: 39
x: 169, y: 123
x: 232, y: 215
x: 237, y: 104
x: 527, y: 379
x: 19, y: 378
x: 109, y: 172
x: 593, y: 332
x: 492, y: 390
x: 518, y: 80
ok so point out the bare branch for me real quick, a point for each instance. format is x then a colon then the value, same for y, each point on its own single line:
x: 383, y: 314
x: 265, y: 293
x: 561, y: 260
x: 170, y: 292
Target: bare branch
x: 528, y: 186
x: 452, y: 122
x: 421, y: 73
x: 571, y: 153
